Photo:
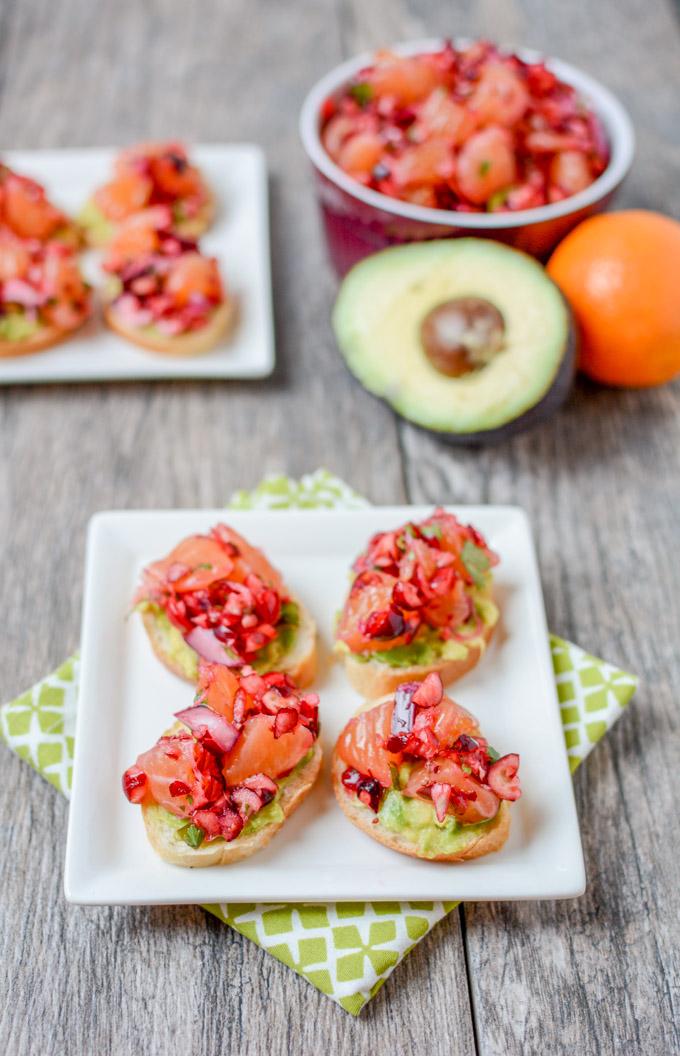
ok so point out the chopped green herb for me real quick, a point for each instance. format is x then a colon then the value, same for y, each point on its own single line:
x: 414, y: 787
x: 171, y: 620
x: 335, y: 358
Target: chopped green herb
x: 492, y: 753
x: 465, y: 768
x: 206, y: 565
x: 362, y: 93
x: 410, y: 530
x: 431, y: 531
x: 485, y: 167
x: 476, y: 562
x: 192, y: 835
x: 497, y: 200
x: 396, y: 782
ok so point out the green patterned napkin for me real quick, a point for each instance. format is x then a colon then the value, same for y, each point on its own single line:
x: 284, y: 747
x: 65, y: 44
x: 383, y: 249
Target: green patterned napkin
x: 346, y: 950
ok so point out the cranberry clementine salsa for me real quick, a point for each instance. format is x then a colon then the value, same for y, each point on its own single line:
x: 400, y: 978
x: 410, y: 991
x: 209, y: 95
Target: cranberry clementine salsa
x: 232, y: 769
x: 217, y: 597
x: 420, y: 601
x: 467, y: 129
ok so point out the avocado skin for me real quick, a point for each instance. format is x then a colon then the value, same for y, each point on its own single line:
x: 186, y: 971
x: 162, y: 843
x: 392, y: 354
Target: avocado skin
x: 550, y: 398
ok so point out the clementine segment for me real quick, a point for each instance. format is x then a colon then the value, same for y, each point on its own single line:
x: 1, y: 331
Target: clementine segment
x: 619, y: 273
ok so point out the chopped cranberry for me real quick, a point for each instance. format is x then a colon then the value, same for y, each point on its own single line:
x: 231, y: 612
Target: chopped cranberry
x: 254, y: 685
x: 134, y: 784
x: 285, y: 721
x: 406, y: 596
x: 502, y: 777
x: 383, y: 624
x: 430, y: 691
x: 370, y: 793
x: 246, y: 801
x: 351, y: 779
x: 178, y: 788
x: 263, y: 785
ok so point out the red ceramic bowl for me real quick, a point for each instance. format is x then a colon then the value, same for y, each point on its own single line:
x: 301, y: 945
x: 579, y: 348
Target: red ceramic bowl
x: 359, y: 221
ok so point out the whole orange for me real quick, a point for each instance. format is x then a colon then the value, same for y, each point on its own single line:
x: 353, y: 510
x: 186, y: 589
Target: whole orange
x: 620, y: 273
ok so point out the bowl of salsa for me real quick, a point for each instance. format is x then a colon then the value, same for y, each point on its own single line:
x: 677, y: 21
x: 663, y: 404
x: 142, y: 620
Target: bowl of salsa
x: 436, y: 139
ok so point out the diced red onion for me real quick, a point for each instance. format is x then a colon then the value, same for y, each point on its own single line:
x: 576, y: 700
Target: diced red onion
x: 206, y: 723
x: 204, y: 642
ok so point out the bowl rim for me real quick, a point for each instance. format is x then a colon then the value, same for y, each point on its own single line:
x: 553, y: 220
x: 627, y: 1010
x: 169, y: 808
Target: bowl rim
x: 617, y: 124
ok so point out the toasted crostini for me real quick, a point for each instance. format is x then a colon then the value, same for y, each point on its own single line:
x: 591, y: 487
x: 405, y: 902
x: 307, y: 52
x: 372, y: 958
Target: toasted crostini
x: 420, y: 601
x: 413, y: 771
x: 222, y: 781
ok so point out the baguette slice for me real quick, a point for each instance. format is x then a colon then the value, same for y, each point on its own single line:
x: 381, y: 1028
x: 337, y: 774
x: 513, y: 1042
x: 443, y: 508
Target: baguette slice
x: 44, y: 338
x: 174, y: 850
x: 193, y: 343
x: 374, y: 679
x: 492, y: 838
x: 299, y: 662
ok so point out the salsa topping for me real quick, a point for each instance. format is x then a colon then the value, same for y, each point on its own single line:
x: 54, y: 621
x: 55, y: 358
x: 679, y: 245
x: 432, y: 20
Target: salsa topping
x: 41, y: 283
x: 425, y: 746
x: 153, y: 174
x: 245, y: 733
x: 163, y: 280
x: 420, y: 576
x: 25, y: 209
x: 468, y: 129
x: 222, y: 595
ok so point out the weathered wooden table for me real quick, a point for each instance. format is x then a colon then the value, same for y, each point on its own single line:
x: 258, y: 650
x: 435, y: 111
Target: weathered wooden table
x: 601, y: 484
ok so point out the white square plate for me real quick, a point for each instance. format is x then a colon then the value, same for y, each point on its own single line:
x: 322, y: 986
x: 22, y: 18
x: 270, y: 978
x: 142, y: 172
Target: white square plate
x: 239, y: 238
x: 127, y: 699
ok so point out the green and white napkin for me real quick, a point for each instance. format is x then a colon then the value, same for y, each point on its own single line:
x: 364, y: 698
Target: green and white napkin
x: 346, y: 950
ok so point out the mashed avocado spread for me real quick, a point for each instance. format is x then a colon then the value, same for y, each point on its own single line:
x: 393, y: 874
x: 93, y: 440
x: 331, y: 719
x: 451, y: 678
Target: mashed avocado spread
x: 273, y: 812
x: 184, y: 656
x: 427, y: 647
x: 416, y: 820
x: 92, y: 218
x: 16, y: 326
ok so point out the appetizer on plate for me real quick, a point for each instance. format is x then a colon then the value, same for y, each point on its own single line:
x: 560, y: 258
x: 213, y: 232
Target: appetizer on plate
x: 150, y: 174
x: 27, y: 212
x: 222, y: 781
x: 43, y: 297
x: 420, y: 601
x: 413, y: 771
x: 162, y: 292
x: 217, y: 597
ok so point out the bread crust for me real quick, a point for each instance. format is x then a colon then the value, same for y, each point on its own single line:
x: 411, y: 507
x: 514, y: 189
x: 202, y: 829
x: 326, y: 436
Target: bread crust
x: 46, y: 337
x: 193, y: 343
x: 219, y: 852
x: 299, y: 663
x: 373, y: 679
x: 492, y: 839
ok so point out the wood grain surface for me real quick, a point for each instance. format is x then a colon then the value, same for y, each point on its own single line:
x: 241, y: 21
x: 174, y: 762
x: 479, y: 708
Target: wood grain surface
x: 601, y: 483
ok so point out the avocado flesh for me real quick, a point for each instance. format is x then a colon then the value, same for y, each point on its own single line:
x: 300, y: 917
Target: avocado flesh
x: 186, y: 658
x: 416, y: 821
x: 384, y: 299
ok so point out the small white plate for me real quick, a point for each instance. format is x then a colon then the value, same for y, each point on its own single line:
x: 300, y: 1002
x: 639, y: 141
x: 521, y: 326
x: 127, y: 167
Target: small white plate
x: 239, y: 238
x: 127, y: 699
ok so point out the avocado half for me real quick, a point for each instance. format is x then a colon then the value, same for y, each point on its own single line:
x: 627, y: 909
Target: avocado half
x: 380, y: 318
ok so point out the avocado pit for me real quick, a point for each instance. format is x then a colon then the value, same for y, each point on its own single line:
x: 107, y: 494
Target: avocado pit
x: 462, y: 335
